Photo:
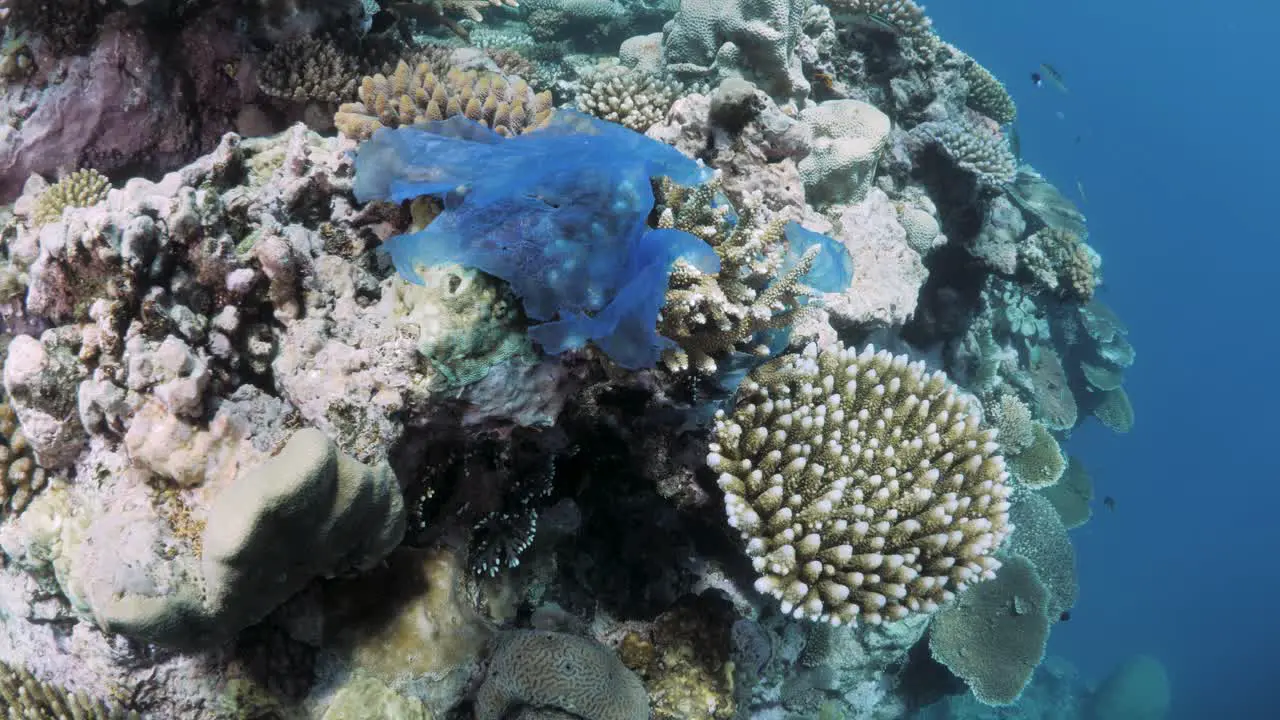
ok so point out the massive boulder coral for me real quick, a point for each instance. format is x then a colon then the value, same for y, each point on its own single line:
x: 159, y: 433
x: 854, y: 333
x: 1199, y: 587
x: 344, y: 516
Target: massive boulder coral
x: 848, y: 136
x: 865, y: 487
x: 250, y: 558
x: 561, y: 671
x: 710, y: 40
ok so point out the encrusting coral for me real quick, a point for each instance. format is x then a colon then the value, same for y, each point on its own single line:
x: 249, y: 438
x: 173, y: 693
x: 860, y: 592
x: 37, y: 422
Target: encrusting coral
x: 865, y: 487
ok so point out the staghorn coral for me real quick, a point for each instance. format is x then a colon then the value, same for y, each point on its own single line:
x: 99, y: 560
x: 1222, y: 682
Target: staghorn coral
x: 309, y: 68
x: 632, y: 98
x: 712, y: 315
x: 82, y: 188
x: 865, y: 487
x: 903, y: 17
x: 987, y: 94
x: 1060, y: 261
x: 23, y: 697
x: 994, y: 636
x: 412, y: 95
x: 559, y: 670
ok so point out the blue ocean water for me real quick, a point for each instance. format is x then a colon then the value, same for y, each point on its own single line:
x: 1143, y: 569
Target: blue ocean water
x: 1169, y: 126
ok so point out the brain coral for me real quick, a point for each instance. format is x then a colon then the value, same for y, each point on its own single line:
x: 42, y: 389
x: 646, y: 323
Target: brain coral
x: 562, y: 671
x: 865, y: 486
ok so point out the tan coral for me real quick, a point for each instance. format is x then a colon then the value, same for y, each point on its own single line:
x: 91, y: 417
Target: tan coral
x: 416, y: 95
x: 865, y: 487
x: 1059, y: 260
x: 309, y: 68
x: 632, y: 98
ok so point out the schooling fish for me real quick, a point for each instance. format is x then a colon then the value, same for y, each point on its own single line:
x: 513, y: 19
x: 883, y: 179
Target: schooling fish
x: 1050, y: 73
x: 1110, y: 503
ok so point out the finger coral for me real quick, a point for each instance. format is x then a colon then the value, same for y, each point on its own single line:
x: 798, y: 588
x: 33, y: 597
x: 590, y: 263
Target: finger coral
x: 417, y: 94
x: 24, y: 696
x: 309, y: 68
x: 82, y: 188
x: 631, y: 98
x: 987, y: 94
x: 865, y: 487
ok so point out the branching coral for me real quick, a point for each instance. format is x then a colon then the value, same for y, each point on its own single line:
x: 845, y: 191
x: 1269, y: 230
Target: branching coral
x: 309, y: 68
x: 987, y: 94
x: 632, y: 98
x: 82, y: 188
x: 415, y: 95
x: 865, y: 486
x: 710, y: 316
x: 23, y: 696
x: 974, y: 148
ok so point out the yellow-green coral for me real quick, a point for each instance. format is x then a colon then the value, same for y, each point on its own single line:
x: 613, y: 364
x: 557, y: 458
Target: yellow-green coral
x: 23, y: 697
x: 21, y: 478
x: 709, y: 316
x: 686, y: 666
x: 82, y: 188
x: 865, y: 487
x: 412, y: 95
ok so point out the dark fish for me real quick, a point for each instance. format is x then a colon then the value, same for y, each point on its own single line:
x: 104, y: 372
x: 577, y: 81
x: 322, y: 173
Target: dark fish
x: 1035, y: 78
x: 1065, y: 616
x: 1110, y: 503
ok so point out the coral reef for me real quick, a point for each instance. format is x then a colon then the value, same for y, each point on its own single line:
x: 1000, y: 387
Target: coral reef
x: 522, y: 384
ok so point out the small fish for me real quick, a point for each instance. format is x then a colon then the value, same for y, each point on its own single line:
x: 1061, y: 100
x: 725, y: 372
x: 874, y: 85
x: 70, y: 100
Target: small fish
x: 1084, y: 197
x: 1015, y: 141
x: 1050, y: 73
x: 1036, y: 79
x: 882, y: 23
x: 1065, y: 616
x: 826, y: 80
x: 1110, y: 503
